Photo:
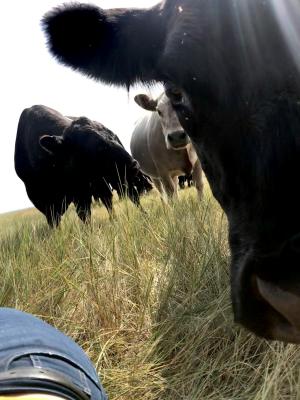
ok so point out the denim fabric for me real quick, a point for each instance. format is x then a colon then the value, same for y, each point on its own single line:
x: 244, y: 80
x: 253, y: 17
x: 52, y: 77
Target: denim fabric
x: 26, y: 341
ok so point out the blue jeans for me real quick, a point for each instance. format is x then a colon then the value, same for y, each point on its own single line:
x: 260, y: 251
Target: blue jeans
x: 36, y: 357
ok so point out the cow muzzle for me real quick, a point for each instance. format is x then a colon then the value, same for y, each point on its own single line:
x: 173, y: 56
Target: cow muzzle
x: 177, y: 140
x: 267, y: 294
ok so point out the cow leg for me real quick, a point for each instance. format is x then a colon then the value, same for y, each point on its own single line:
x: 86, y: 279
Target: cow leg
x: 54, y: 212
x: 158, y: 184
x: 181, y: 180
x: 52, y: 209
x: 107, y: 200
x: 190, y: 180
x: 197, y: 176
x: 102, y: 191
x: 83, y: 209
x: 169, y: 186
x: 53, y: 215
x: 176, y: 184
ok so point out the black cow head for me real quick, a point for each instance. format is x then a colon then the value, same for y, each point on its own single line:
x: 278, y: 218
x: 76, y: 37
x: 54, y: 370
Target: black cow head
x: 231, y: 71
x: 143, y: 183
x: 87, y: 153
x: 77, y: 150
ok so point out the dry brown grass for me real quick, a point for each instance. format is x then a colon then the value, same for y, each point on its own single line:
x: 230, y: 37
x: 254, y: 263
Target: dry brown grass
x: 147, y: 297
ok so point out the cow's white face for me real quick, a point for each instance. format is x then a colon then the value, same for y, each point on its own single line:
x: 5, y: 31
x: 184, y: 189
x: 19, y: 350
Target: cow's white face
x: 175, y: 136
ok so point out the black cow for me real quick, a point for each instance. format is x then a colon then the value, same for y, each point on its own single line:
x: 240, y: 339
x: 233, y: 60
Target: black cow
x: 231, y: 70
x: 182, y: 179
x: 63, y: 160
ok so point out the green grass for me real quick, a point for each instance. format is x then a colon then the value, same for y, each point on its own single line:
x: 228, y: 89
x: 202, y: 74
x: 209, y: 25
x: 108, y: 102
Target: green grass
x: 147, y: 296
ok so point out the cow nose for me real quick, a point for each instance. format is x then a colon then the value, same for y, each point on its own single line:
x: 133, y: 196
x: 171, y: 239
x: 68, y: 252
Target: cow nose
x: 177, y: 136
x: 178, y: 139
x: 266, y: 292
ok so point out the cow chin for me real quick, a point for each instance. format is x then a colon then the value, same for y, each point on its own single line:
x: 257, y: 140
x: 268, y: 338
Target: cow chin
x: 265, y: 301
x: 179, y: 147
x: 284, y: 315
x: 277, y: 314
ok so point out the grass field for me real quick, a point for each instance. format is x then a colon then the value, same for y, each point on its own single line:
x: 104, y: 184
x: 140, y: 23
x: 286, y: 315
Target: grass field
x: 147, y: 297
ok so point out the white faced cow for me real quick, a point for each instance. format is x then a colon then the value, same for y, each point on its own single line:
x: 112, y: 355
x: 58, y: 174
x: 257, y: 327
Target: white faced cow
x: 162, y: 147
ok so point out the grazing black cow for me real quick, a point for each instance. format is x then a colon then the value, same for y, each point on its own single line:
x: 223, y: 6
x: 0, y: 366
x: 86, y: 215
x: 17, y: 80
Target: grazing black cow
x: 63, y: 160
x: 142, y: 182
x: 231, y: 69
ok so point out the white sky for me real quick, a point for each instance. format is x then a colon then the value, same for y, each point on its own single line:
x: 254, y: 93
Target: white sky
x: 30, y: 75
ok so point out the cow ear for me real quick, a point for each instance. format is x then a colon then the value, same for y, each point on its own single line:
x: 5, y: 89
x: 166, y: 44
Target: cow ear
x: 146, y: 102
x: 118, y: 46
x: 52, y: 144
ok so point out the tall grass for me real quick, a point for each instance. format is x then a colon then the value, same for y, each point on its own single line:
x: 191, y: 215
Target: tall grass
x: 147, y: 297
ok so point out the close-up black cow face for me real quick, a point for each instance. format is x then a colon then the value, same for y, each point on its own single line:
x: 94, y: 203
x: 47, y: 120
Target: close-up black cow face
x: 232, y: 72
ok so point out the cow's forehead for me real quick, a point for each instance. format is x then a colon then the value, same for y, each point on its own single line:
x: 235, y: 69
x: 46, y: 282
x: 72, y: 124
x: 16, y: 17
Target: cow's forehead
x: 163, y: 100
x: 263, y: 37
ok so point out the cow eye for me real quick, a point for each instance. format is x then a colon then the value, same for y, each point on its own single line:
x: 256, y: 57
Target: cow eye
x: 175, y: 95
x: 159, y: 112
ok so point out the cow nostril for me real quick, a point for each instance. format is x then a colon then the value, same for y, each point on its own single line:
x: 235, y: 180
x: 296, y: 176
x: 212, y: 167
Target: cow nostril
x: 177, y: 136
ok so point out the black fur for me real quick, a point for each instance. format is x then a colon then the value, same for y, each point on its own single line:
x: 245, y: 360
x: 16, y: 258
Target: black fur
x: 84, y: 37
x: 236, y: 65
x: 185, y: 179
x: 63, y: 160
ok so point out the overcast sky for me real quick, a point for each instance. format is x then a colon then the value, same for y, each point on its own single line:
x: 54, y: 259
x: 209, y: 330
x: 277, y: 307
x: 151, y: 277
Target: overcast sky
x: 29, y: 75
